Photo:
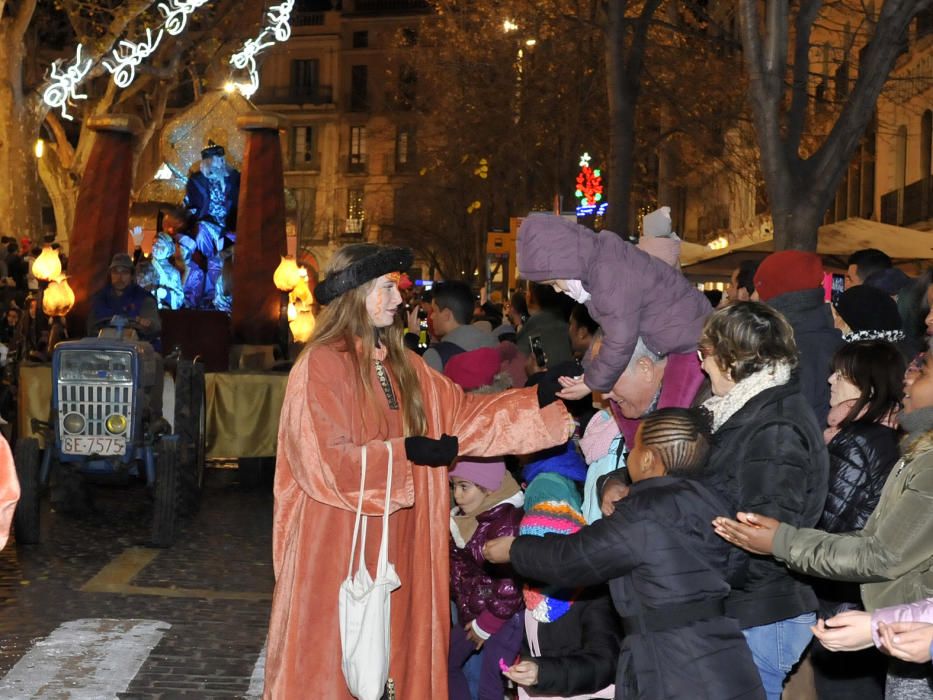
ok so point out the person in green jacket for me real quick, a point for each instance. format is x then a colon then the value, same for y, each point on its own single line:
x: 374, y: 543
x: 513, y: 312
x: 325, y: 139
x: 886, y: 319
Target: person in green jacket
x: 892, y: 556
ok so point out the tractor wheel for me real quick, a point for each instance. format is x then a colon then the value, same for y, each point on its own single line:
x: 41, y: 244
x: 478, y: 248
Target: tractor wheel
x: 166, y: 492
x: 26, y: 519
x: 191, y: 427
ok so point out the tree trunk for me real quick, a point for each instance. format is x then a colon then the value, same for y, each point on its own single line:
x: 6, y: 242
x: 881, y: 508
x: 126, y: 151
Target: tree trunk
x: 20, y: 208
x: 622, y: 123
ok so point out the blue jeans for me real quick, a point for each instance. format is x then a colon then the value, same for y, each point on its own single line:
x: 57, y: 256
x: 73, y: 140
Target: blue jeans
x: 777, y: 647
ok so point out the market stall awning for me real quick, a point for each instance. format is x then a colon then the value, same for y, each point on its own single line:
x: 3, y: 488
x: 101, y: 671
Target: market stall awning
x: 840, y: 238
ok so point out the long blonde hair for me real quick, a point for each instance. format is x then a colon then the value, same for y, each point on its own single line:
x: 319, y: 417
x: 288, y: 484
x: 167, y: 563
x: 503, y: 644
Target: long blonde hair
x: 345, y: 320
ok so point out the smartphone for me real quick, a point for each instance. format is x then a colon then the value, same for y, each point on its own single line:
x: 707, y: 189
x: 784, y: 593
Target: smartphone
x: 838, y: 287
x: 538, y: 349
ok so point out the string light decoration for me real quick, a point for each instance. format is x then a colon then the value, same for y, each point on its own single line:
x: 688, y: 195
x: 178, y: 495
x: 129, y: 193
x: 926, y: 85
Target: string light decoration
x: 589, y: 189
x: 63, y: 87
x: 176, y: 14
x: 128, y: 55
x: 64, y: 82
x: 278, y: 29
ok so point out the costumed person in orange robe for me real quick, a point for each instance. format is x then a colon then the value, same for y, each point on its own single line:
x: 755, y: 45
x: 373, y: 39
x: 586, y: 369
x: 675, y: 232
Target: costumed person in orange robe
x: 354, y: 387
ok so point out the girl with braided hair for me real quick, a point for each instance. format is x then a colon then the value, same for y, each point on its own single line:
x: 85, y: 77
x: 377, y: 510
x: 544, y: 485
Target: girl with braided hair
x: 668, y: 577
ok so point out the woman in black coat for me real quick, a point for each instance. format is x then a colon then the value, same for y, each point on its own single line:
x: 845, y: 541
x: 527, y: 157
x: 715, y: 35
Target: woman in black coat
x: 668, y: 577
x: 865, y: 396
x: 767, y: 450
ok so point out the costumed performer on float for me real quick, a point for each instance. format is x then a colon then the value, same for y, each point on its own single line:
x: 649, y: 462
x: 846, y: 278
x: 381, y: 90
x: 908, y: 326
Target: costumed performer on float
x: 353, y: 388
x: 211, y: 197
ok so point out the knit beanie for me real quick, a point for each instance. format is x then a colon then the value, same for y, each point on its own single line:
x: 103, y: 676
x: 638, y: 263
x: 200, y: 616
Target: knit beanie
x: 564, y: 460
x: 657, y: 238
x: 486, y: 474
x: 865, y: 308
x: 475, y: 368
x: 788, y: 271
x: 552, y: 506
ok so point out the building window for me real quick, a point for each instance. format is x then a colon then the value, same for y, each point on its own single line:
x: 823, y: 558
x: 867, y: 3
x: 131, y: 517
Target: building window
x: 409, y: 36
x: 405, y: 148
x: 360, y: 40
x: 304, y: 78
x: 355, y: 212
x: 304, y: 155
x: 357, y: 163
x: 407, y: 87
x: 359, y: 88
x: 305, y: 201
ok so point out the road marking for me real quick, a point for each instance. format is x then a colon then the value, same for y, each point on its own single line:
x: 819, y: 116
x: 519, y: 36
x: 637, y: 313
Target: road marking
x: 256, y: 681
x: 90, y: 659
x: 117, y: 577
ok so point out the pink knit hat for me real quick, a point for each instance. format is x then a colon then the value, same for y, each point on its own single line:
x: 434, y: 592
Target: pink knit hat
x: 489, y: 475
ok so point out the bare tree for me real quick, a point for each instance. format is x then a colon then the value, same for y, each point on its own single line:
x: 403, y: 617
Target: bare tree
x: 801, y: 186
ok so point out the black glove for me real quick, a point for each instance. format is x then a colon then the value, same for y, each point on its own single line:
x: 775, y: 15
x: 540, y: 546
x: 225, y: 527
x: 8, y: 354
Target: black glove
x: 547, y: 383
x: 434, y: 453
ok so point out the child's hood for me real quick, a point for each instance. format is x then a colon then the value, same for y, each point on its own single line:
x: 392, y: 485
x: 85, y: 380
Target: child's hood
x: 552, y: 248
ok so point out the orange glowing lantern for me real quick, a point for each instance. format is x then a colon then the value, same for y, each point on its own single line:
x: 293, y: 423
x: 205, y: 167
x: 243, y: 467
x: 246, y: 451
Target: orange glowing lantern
x: 301, y: 295
x: 47, y: 266
x: 58, y: 298
x: 302, y: 326
x: 286, y: 275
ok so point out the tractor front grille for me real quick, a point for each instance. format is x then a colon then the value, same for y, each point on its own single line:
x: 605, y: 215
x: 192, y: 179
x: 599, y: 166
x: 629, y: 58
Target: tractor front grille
x: 96, y: 402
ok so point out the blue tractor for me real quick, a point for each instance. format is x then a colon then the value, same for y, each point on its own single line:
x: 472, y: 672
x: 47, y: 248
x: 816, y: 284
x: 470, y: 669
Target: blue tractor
x: 112, y: 419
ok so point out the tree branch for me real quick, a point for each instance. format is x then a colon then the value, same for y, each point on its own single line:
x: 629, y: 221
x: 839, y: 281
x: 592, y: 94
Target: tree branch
x: 63, y: 147
x: 797, y: 116
x: 22, y: 19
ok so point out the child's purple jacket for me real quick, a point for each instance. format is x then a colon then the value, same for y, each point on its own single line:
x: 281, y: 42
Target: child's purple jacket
x: 921, y: 611
x: 632, y: 293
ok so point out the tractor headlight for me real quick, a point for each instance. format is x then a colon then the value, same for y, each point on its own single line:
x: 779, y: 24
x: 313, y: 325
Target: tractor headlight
x: 74, y: 423
x: 116, y: 424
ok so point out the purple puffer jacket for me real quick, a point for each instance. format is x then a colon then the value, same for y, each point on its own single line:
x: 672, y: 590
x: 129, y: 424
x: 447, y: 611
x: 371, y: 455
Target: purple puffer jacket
x: 485, y: 592
x: 633, y: 294
x: 921, y: 611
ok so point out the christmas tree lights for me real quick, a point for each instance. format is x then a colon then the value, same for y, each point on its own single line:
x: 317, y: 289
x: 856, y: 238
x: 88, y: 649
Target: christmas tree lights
x: 589, y: 189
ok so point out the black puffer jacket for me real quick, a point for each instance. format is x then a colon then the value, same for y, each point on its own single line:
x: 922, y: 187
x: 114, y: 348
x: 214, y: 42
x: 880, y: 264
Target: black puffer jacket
x: 659, y: 552
x: 817, y: 341
x: 769, y: 458
x: 860, y: 457
x: 580, y: 649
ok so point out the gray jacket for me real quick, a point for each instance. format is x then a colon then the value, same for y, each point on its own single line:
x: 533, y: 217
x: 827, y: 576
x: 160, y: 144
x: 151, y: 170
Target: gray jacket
x: 467, y: 338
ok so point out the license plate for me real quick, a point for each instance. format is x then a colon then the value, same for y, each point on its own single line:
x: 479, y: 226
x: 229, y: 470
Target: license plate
x: 74, y: 445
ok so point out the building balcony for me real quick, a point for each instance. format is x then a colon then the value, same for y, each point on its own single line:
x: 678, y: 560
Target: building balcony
x: 390, y: 6
x: 357, y: 164
x: 306, y: 162
x: 308, y: 19
x: 910, y: 205
x: 291, y: 95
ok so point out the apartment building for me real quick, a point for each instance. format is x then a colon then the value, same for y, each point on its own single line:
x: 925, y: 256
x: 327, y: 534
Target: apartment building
x: 346, y: 91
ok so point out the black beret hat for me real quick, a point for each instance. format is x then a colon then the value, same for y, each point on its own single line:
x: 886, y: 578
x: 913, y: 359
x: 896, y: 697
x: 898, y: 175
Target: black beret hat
x: 382, y: 261
x: 865, y: 308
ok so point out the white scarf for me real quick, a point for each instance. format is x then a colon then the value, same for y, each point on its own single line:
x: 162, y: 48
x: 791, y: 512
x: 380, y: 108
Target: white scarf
x: 576, y: 291
x: 724, y: 407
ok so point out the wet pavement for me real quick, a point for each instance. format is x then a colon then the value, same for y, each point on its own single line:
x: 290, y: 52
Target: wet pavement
x: 92, y: 612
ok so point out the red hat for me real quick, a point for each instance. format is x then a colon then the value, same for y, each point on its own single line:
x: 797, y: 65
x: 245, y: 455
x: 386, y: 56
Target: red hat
x: 788, y: 271
x: 474, y: 369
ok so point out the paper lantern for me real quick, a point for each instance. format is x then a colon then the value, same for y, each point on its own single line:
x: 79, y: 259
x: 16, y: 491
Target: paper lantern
x: 292, y: 312
x: 47, y: 266
x: 302, y: 327
x: 301, y: 295
x: 286, y: 275
x: 58, y: 298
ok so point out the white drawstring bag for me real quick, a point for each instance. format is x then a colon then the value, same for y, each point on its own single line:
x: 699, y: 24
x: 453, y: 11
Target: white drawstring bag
x: 364, y: 606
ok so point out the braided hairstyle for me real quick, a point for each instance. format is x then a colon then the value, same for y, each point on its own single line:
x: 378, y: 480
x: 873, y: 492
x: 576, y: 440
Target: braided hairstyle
x: 680, y: 436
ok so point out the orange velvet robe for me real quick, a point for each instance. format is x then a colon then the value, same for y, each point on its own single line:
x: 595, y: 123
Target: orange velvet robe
x: 321, y: 436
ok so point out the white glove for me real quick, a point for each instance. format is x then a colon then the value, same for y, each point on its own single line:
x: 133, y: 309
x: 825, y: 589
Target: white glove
x: 137, y: 233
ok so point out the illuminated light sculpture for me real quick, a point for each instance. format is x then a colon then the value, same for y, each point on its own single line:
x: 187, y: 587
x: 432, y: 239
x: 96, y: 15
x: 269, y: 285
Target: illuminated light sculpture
x: 302, y: 326
x: 48, y: 266
x: 64, y: 83
x: 128, y: 55
x: 58, y: 298
x: 176, y: 14
x: 278, y: 29
x: 589, y: 189
x: 286, y: 276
